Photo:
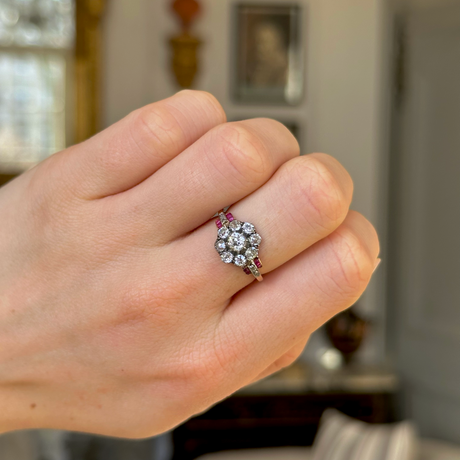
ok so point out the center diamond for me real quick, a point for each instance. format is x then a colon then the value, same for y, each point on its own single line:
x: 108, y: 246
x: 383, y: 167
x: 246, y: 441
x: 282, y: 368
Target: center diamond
x: 237, y: 242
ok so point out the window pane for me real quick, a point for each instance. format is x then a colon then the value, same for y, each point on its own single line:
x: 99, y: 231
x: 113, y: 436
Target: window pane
x: 32, y: 108
x: 45, y: 23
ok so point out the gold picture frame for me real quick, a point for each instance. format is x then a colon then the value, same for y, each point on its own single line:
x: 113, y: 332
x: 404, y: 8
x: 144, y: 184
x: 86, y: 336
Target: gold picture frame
x: 88, y: 68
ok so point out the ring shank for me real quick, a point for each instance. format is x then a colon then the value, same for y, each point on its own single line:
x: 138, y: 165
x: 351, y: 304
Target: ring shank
x: 255, y: 271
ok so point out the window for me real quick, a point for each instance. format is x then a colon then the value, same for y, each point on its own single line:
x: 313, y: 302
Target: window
x: 36, y: 41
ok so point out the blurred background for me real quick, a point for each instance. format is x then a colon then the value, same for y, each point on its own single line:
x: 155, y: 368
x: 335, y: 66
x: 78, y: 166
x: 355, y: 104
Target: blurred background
x: 376, y: 83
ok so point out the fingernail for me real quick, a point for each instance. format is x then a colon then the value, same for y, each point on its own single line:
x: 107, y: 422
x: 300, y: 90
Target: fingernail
x: 377, y: 263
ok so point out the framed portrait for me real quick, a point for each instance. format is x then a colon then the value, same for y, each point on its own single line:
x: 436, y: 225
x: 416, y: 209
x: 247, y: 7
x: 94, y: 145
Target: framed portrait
x: 268, y: 54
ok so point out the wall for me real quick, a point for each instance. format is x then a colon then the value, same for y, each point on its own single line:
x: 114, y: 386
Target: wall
x: 425, y: 253
x: 344, y: 111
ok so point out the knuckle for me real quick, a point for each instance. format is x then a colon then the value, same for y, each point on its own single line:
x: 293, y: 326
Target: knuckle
x: 327, y: 158
x: 207, y: 101
x: 310, y: 181
x: 354, y: 265
x: 272, y: 128
x: 340, y: 170
x: 244, y: 152
x: 154, y: 127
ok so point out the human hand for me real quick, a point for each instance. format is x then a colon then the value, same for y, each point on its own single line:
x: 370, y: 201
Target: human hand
x: 117, y: 315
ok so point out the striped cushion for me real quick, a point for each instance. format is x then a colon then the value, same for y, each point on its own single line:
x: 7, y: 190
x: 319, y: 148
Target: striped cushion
x: 343, y: 438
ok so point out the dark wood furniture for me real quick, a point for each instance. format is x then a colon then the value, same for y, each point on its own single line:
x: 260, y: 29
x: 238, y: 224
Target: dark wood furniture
x: 283, y: 414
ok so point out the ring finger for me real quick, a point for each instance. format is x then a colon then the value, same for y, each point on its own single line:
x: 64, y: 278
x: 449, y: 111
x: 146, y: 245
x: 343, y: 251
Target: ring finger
x: 305, y: 201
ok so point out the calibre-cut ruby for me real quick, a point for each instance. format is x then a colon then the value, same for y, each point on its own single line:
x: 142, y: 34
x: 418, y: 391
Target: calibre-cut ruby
x: 258, y: 263
x: 247, y: 271
x: 230, y: 217
x: 218, y: 223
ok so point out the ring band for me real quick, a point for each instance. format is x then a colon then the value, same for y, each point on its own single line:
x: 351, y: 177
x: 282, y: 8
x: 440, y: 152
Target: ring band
x: 238, y: 243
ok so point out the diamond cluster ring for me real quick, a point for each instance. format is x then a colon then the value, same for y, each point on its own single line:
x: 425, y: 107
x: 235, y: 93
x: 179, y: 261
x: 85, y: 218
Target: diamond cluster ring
x: 238, y: 243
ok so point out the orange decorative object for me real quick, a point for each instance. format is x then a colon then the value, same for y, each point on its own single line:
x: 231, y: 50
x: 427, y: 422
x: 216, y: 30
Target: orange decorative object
x: 187, y: 10
x: 185, y: 45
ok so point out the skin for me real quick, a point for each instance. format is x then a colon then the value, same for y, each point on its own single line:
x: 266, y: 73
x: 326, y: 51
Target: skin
x: 118, y: 317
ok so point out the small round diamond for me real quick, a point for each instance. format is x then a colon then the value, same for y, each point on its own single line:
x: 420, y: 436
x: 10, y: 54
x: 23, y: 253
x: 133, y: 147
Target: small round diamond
x: 255, y: 239
x: 223, y: 233
x: 240, y: 261
x: 248, y: 228
x: 236, y: 242
x: 235, y: 225
x: 220, y: 245
x: 251, y: 253
x: 227, y: 257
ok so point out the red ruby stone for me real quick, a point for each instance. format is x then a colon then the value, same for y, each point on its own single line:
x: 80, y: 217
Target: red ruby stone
x: 247, y: 271
x: 218, y: 223
x: 257, y: 262
x: 230, y: 217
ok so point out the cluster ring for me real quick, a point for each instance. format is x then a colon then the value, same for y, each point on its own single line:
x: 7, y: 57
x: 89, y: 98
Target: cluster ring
x: 238, y: 243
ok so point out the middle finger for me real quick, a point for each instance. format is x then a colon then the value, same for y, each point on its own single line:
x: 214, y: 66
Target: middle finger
x: 225, y: 165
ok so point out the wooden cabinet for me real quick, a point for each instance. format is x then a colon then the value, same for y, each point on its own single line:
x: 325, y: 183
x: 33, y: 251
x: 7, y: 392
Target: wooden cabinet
x: 254, y: 420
